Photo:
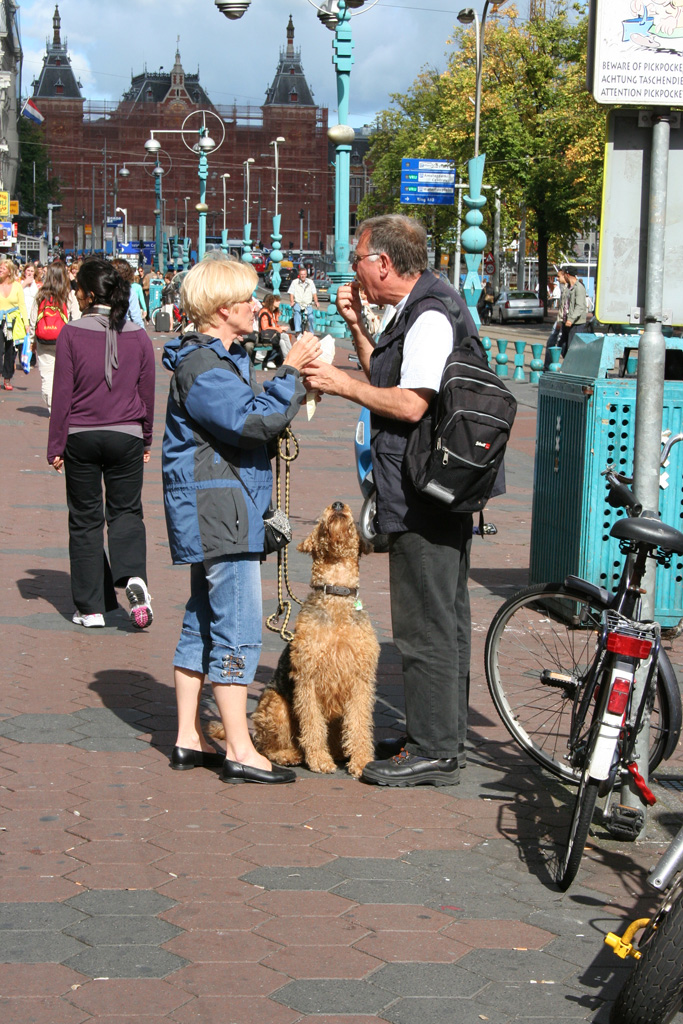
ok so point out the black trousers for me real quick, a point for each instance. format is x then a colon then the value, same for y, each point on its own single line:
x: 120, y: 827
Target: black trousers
x: 430, y: 615
x: 91, y: 458
x: 8, y: 356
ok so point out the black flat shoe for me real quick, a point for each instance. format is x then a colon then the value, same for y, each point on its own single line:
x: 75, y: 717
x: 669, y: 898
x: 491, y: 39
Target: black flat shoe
x: 412, y: 770
x: 183, y: 759
x: 233, y: 771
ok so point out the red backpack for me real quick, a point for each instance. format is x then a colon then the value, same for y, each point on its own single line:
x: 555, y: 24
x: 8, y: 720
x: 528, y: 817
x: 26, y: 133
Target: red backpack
x: 51, y: 319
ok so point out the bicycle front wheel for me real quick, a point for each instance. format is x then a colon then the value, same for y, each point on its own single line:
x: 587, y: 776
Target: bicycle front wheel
x: 539, y: 649
x: 654, y: 989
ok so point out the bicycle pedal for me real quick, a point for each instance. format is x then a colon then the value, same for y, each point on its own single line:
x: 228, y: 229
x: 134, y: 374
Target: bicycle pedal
x: 625, y: 822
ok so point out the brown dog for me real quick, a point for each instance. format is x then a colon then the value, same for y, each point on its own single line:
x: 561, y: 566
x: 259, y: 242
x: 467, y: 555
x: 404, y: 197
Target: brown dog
x: 318, y: 706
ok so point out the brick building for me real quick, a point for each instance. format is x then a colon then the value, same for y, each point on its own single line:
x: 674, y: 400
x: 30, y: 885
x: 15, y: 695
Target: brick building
x: 89, y: 143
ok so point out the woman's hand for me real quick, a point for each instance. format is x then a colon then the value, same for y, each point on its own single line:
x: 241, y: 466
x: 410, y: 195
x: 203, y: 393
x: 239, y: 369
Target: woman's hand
x: 57, y: 463
x: 303, y: 351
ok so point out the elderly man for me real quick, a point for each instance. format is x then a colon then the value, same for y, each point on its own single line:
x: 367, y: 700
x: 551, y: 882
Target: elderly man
x: 429, y: 547
x: 303, y: 295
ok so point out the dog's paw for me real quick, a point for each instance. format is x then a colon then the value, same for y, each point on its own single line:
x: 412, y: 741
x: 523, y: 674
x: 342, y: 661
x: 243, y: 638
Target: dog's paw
x: 216, y: 730
x: 324, y: 765
x: 284, y: 757
x: 356, y: 769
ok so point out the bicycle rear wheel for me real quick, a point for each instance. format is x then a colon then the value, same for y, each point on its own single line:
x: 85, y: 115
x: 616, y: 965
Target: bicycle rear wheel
x: 578, y: 831
x: 539, y: 649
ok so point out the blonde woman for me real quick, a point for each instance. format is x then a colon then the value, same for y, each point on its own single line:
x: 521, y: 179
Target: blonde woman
x: 13, y: 319
x: 217, y: 486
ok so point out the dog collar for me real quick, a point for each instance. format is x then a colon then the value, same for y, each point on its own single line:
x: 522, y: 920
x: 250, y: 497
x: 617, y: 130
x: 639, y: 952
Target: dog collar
x: 328, y: 588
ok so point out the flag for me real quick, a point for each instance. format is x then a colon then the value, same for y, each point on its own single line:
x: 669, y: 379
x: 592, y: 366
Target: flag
x: 30, y: 110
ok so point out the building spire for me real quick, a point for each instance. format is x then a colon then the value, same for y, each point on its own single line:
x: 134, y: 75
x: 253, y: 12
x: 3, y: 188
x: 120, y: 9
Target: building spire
x: 290, y: 38
x: 56, y: 24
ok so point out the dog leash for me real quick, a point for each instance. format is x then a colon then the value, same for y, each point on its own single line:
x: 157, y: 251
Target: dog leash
x: 287, y: 451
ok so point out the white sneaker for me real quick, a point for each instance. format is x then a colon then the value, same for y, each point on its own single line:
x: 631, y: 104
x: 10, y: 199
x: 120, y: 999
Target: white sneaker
x: 94, y: 619
x: 271, y: 366
x: 140, y: 602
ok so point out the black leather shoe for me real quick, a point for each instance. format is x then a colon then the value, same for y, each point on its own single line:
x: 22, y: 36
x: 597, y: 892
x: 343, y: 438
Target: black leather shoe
x: 412, y: 770
x: 390, y: 747
x: 233, y: 771
x: 182, y: 759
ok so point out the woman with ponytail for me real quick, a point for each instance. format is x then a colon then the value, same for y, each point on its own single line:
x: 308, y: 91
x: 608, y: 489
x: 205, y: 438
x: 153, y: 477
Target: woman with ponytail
x: 101, y: 432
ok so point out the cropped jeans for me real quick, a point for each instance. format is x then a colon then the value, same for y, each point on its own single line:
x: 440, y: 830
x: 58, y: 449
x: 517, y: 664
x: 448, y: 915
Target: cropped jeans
x: 222, y: 627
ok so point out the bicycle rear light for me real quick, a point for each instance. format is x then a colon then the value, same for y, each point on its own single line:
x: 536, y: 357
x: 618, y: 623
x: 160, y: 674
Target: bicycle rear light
x: 629, y: 646
x: 618, y: 698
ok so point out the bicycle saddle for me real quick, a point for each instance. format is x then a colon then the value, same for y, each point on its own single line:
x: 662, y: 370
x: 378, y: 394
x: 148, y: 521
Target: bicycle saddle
x: 649, y: 531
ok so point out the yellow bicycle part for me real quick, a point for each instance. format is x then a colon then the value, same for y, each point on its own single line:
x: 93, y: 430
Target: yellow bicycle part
x: 622, y: 945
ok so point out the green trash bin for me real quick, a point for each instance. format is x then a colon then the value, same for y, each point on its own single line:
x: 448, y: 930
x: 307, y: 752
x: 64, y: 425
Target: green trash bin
x: 586, y: 420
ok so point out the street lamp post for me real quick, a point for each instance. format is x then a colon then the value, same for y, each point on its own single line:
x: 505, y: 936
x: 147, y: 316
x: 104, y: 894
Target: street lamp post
x: 224, y: 233
x: 203, y: 145
x: 124, y: 211
x: 246, y: 241
x: 276, y: 236
x: 335, y: 15
x: 473, y: 238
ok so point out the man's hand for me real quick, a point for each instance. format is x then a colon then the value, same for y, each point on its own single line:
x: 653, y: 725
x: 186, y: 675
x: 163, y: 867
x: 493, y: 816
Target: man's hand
x: 327, y: 379
x: 57, y: 463
x: 349, y: 305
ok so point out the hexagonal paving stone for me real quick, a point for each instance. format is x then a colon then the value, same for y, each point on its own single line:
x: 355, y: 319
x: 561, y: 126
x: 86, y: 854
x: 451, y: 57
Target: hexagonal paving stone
x: 428, y: 980
x: 37, y: 916
x: 126, y: 962
x: 110, y: 930
x: 293, y: 878
x: 113, y: 901
x: 17, y: 947
x: 440, y: 1009
x: 333, y: 996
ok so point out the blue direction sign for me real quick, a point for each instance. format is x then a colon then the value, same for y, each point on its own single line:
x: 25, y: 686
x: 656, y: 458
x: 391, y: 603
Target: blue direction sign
x: 114, y: 222
x: 427, y: 182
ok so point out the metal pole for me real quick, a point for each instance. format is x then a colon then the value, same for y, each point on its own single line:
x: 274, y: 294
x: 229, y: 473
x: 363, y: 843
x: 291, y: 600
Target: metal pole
x: 650, y: 397
x: 92, y: 220
x: 496, y: 243
x: 458, y: 240
x: 203, y: 175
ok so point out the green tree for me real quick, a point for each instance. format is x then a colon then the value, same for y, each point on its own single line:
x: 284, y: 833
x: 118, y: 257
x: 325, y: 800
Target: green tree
x: 540, y: 129
x: 33, y: 154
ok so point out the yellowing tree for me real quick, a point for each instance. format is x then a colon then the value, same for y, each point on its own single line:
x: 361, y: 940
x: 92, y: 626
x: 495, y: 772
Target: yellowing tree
x: 540, y: 129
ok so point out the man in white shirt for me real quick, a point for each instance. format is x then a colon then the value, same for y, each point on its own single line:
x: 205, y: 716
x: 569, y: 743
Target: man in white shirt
x: 428, y: 546
x: 303, y: 295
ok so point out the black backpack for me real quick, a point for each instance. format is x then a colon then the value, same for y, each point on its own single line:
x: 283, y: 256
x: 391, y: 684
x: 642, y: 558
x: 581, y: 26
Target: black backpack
x: 455, y: 452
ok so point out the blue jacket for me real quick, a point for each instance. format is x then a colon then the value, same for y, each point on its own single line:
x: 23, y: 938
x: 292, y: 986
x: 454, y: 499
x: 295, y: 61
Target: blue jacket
x: 218, y: 425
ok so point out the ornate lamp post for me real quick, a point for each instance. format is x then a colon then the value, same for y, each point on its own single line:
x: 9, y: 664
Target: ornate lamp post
x: 275, y: 253
x: 224, y: 232
x: 335, y: 15
x: 473, y: 238
x: 246, y: 241
x: 194, y: 125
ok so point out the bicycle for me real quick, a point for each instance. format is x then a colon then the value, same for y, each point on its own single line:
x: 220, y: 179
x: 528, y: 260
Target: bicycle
x: 561, y: 661
x: 653, y: 990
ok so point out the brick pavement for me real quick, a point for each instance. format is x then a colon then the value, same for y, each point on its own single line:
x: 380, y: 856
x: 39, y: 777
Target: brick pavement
x: 130, y: 893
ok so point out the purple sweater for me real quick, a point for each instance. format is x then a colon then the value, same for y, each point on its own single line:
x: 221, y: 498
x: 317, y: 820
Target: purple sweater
x: 80, y: 396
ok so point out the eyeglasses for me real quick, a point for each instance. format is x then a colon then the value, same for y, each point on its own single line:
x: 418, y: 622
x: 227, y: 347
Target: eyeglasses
x: 356, y: 258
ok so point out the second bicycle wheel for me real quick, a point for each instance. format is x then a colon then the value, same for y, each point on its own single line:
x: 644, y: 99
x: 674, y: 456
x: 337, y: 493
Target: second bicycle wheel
x: 539, y: 649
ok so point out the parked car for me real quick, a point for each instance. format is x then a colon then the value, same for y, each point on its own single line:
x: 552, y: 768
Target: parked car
x: 517, y: 306
x: 258, y: 261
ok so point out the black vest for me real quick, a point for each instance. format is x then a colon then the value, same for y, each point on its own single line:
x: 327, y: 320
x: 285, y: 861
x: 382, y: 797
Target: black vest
x: 399, y: 507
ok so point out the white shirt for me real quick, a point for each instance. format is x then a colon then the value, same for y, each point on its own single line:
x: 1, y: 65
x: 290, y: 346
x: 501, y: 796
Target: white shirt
x: 427, y: 346
x: 302, y: 291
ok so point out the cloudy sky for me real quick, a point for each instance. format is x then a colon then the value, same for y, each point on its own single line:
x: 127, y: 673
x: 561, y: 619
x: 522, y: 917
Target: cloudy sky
x: 237, y: 59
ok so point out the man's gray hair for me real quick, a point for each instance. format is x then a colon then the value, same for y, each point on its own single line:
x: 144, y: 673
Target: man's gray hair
x: 403, y: 239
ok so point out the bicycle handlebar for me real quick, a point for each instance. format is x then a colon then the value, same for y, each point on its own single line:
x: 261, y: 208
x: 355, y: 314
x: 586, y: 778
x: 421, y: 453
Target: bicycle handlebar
x: 621, y: 496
